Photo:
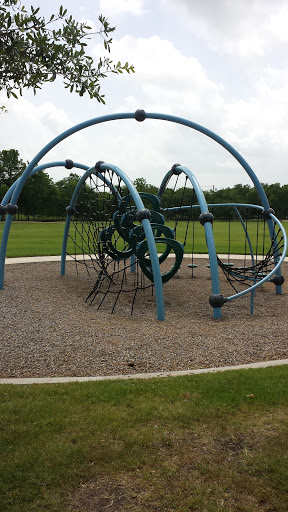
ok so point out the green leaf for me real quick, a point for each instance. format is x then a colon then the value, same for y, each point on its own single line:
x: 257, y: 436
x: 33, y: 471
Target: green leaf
x: 39, y: 54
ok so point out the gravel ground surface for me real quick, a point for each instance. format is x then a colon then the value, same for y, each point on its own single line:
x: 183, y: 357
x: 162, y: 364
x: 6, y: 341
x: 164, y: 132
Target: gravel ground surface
x: 49, y: 330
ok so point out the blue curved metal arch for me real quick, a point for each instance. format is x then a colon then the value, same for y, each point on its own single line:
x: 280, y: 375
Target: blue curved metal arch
x: 8, y: 196
x: 90, y: 170
x: 207, y: 226
x: 164, y: 117
x: 214, y: 205
x: 39, y: 168
x: 111, y: 117
x: 273, y: 271
x: 145, y: 223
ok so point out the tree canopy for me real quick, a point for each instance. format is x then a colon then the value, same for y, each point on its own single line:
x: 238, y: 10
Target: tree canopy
x: 35, y: 50
x: 11, y: 167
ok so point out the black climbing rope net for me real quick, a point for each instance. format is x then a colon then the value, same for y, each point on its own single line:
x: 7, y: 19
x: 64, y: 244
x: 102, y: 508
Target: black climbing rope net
x: 179, y: 205
x: 99, y: 246
x: 266, y: 251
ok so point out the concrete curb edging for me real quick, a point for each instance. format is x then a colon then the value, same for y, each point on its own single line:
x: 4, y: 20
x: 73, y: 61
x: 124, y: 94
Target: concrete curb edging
x: 49, y: 259
x: 178, y: 373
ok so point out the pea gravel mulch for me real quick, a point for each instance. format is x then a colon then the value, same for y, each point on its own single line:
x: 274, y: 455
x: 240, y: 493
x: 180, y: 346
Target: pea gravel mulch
x: 48, y: 330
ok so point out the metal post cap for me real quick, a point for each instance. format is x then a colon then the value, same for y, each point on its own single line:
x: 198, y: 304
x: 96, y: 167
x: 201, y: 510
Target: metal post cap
x: 266, y: 213
x: 97, y: 165
x: 175, y: 170
x: 216, y: 300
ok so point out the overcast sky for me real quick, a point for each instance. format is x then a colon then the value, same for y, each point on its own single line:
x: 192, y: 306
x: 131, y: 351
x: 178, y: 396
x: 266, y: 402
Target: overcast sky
x: 220, y: 63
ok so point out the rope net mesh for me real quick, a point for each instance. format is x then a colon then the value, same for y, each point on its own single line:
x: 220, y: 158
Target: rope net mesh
x: 98, y: 245
x: 260, y: 250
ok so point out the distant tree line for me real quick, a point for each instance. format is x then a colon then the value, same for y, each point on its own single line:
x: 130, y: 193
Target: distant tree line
x: 44, y: 199
x: 277, y: 196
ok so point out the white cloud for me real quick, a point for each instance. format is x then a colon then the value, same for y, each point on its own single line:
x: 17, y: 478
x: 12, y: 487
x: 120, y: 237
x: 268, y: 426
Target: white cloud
x: 168, y: 82
x: 247, y: 28
x: 28, y: 128
x: 114, y: 7
x: 261, y: 121
x: 165, y: 76
x: 165, y: 81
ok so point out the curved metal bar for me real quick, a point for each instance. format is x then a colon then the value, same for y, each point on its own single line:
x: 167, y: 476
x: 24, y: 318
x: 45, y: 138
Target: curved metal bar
x: 39, y: 168
x: 164, y: 117
x: 82, y: 180
x: 10, y: 191
x: 223, y: 143
x: 269, y: 221
x: 145, y: 223
x: 208, y: 234
x: 59, y: 139
x: 210, y: 205
x: 34, y: 162
x: 238, y: 157
x: 9, y: 194
x: 150, y: 239
x: 278, y: 265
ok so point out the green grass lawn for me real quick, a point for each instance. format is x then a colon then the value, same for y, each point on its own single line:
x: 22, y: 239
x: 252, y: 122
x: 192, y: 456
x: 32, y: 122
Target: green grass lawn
x: 45, y: 238
x: 198, y: 443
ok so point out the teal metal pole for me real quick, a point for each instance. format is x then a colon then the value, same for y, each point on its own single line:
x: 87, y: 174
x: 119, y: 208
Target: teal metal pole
x: 208, y: 233
x: 4, y: 243
x: 150, y: 240
x: 82, y: 180
x: 10, y: 194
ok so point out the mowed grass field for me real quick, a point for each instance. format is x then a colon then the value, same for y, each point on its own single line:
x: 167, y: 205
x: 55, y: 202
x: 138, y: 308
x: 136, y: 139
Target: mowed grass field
x: 45, y: 238
x: 201, y: 443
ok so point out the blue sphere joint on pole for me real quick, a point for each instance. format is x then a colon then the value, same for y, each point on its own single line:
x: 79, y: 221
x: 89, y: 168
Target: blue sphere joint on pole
x: 69, y: 164
x: 175, y: 169
x: 11, y: 208
x: 140, y: 115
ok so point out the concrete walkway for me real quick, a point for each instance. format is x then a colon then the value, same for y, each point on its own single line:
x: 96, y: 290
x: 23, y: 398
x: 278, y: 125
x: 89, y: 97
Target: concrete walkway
x: 41, y: 259
x: 34, y: 259
x: 61, y: 380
